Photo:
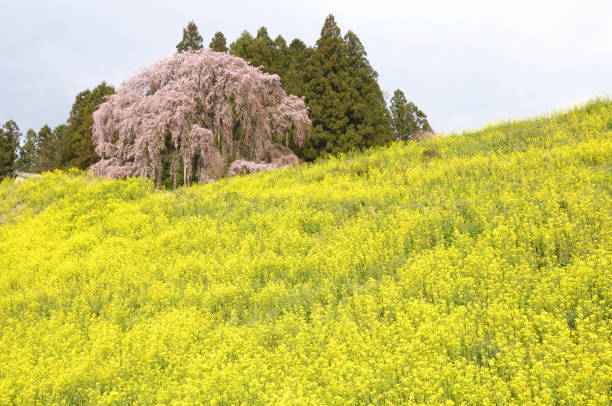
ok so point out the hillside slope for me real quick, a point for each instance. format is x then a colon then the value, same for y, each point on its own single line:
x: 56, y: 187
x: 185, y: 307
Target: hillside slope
x: 471, y: 269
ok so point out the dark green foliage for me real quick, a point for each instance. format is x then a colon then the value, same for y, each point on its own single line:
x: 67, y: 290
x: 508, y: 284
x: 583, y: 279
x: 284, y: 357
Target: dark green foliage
x: 76, y: 147
x: 347, y: 106
x: 297, y: 45
x: 47, y: 157
x: 296, y: 58
x: 27, y: 152
x: 326, y: 90
x: 370, y: 120
x: 242, y: 47
x: 406, y: 118
x: 338, y: 83
x: 218, y: 42
x: 69, y: 145
x: 271, y: 55
x: 192, y: 40
x: 262, y: 50
x: 280, y: 58
x: 9, y: 142
x: 340, y: 87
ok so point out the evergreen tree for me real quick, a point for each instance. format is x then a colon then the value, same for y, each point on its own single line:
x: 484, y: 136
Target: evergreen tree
x: 296, y: 56
x: 340, y: 87
x: 218, y: 42
x: 70, y: 145
x: 192, y: 40
x: 370, y: 121
x: 280, y: 61
x: 27, y: 152
x: 9, y: 142
x: 243, y: 46
x: 76, y: 147
x: 325, y: 85
x: 346, y: 104
x: 271, y: 55
x: 47, y: 157
x: 406, y: 118
x: 262, y: 50
x: 297, y: 45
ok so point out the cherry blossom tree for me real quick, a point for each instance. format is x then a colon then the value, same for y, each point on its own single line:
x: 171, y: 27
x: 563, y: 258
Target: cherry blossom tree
x: 195, y: 113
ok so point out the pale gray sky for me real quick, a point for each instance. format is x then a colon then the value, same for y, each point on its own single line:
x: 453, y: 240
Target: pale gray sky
x: 464, y: 63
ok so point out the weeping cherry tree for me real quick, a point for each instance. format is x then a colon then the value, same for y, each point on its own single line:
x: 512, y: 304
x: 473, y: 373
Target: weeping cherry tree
x: 193, y: 114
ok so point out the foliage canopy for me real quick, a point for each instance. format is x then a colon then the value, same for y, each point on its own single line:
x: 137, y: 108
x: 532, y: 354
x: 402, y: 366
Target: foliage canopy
x: 338, y: 83
x: 198, y: 111
x: 406, y: 118
x: 9, y: 144
x: 192, y: 40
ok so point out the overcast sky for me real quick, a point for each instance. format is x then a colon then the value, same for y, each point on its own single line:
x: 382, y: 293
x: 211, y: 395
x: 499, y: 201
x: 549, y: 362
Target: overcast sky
x: 464, y: 63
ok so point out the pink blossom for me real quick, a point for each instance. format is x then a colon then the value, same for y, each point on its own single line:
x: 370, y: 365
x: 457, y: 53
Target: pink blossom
x: 203, y: 109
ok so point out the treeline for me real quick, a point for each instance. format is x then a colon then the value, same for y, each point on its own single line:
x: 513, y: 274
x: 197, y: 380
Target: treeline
x: 339, y: 86
x: 68, y: 145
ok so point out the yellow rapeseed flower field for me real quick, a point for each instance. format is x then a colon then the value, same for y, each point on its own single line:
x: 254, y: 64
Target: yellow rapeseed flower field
x: 471, y: 269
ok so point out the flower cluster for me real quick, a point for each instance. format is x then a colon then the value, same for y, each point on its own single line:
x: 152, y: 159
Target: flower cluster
x: 478, y: 274
x: 202, y: 109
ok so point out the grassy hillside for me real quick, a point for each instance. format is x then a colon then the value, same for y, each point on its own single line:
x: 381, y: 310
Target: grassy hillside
x: 472, y: 269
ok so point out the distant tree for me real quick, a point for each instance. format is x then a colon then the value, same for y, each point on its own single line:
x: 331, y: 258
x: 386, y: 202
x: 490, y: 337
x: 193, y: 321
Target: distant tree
x: 47, y: 156
x: 325, y: 82
x: 370, y: 122
x: 340, y: 87
x: 168, y: 122
x: 280, y: 43
x: 272, y: 55
x: 297, y: 45
x: 257, y: 51
x: 218, y: 42
x: 296, y: 57
x: 76, y: 149
x: 9, y: 143
x: 243, y: 46
x: 280, y: 57
x: 347, y: 106
x: 70, y: 145
x: 275, y: 57
x: 406, y: 118
x: 192, y: 40
x: 27, y: 152
x: 262, y: 52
